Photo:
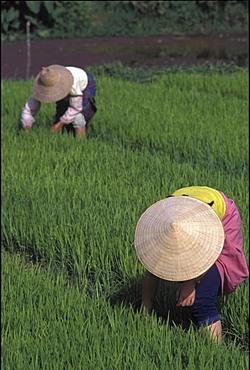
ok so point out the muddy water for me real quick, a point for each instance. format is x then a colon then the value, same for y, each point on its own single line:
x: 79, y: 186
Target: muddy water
x: 181, y: 50
x: 193, y: 49
x: 161, y: 51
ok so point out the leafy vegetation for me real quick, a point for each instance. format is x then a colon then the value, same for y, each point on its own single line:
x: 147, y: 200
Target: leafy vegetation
x: 71, y: 280
x: 15, y: 14
x: 145, y: 75
x: 67, y: 19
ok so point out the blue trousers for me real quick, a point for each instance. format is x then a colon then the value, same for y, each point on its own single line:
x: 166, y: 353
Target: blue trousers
x: 204, y: 310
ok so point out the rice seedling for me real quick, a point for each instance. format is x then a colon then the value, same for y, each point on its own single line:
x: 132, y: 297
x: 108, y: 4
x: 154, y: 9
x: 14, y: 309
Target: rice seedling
x: 71, y: 281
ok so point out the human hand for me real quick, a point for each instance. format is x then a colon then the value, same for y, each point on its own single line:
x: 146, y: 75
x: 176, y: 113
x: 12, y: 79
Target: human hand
x: 144, y: 313
x: 56, y: 127
x: 185, y: 294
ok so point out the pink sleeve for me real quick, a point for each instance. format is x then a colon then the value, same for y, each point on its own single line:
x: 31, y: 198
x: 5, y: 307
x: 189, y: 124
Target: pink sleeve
x: 75, y: 107
x: 231, y: 263
x: 30, y: 109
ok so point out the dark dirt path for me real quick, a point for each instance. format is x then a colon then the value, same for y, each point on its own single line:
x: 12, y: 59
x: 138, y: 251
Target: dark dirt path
x: 162, y: 51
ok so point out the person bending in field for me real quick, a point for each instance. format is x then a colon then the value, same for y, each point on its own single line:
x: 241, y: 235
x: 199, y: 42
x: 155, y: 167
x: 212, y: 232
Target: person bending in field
x: 193, y: 237
x: 72, y: 89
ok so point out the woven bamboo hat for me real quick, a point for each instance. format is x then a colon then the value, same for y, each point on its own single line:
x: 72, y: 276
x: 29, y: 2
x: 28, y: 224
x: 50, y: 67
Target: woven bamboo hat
x: 52, y: 84
x: 178, y: 238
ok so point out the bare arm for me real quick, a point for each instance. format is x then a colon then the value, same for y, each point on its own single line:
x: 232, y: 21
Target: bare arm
x: 149, y: 289
x: 56, y: 127
x: 185, y: 294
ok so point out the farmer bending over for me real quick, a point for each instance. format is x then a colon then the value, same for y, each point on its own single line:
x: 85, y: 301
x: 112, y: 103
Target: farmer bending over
x: 72, y: 89
x: 193, y: 237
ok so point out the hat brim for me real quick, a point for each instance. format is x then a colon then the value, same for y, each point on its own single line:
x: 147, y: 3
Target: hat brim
x: 179, y: 238
x: 56, y: 92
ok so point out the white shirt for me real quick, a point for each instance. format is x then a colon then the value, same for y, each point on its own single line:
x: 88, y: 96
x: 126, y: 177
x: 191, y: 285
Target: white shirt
x: 80, y: 81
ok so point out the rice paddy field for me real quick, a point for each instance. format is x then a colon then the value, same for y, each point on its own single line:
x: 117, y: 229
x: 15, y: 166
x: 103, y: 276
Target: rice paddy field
x: 71, y: 280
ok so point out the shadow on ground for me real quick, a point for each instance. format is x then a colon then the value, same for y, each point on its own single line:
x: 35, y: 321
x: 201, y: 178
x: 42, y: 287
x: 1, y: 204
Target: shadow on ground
x: 165, y: 309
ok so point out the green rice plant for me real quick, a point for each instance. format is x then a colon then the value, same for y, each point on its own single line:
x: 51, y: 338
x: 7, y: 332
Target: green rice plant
x: 49, y: 324
x: 71, y: 278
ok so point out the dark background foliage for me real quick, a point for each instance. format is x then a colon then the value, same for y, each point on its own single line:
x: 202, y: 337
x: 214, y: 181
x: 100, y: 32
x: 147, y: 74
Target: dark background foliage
x: 70, y: 19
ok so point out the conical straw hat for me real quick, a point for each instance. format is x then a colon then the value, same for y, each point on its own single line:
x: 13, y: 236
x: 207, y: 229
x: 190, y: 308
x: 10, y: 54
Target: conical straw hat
x: 178, y: 238
x: 52, y: 84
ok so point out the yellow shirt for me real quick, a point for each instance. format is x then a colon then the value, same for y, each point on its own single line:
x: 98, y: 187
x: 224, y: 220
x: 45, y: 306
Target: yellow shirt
x: 207, y: 195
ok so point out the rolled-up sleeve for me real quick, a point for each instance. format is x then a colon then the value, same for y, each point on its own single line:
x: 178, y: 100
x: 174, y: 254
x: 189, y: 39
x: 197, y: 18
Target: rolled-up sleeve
x: 29, y: 111
x: 75, y: 107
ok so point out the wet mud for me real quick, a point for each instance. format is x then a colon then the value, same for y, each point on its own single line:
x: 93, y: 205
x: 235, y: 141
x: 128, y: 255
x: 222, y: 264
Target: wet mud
x: 162, y: 51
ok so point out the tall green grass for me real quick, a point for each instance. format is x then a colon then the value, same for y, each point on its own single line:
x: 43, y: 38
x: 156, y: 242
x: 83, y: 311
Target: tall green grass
x: 71, y: 278
x: 49, y: 324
